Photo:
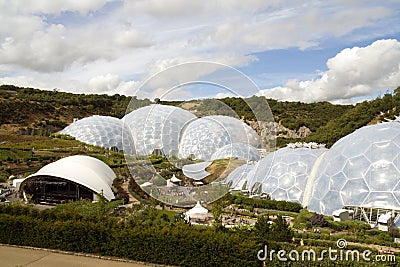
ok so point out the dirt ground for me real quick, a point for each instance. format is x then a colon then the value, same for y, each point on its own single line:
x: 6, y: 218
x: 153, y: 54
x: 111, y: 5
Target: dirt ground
x: 18, y: 257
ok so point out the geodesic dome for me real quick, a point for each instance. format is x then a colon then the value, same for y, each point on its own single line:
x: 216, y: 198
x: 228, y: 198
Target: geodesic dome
x: 204, y: 136
x: 103, y: 131
x: 237, y: 150
x: 157, y: 127
x: 361, y: 169
x: 237, y: 179
x: 284, y: 174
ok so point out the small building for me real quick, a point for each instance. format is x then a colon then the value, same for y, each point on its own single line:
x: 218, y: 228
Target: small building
x: 385, y: 221
x: 341, y: 215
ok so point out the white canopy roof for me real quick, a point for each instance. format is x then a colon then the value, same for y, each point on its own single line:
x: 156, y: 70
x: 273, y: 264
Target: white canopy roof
x: 146, y: 184
x: 198, y: 209
x: 86, y: 171
x: 174, y: 179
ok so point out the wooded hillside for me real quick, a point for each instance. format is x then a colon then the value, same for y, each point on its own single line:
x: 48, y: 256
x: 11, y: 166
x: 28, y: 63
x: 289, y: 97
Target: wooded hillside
x: 53, y: 110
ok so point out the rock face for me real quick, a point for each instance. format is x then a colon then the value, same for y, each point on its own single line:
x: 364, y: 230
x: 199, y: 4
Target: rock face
x: 271, y: 130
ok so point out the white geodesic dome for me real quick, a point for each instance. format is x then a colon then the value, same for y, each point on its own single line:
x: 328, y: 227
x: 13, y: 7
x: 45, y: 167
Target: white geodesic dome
x: 103, y: 131
x: 284, y: 174
x: 237, y: 179
x: 157, y: 127
x: 204, y: 136
x: 237, y: 150
x: 361, y: 169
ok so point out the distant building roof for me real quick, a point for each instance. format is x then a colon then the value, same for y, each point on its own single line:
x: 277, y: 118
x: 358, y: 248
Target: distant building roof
x: 196, y: 171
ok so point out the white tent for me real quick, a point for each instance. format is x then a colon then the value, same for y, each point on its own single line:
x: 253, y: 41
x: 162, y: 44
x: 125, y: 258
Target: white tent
x: 174, y: 179
x: 198, y: 213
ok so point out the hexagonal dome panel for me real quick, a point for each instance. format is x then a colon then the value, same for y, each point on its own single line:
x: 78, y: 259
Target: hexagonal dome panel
x: 383, y: 151
x: 280, y: 194
x: 354, y: 192
x: 356, y: 167
x: 382, y: 176
x: 359, y: 147
x: 370, y: 170
x: 294, y: 193
x: 337, y: 182
x: 324, y: 204
x: 381, y: 199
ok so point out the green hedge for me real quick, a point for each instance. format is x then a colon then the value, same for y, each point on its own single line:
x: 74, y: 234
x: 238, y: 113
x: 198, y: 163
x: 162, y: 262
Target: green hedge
x: 171, y: 243
x: 263, y: 203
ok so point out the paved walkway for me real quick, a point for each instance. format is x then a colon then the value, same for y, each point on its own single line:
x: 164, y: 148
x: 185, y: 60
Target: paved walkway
x: 132, y: 200
x: 28, y: 257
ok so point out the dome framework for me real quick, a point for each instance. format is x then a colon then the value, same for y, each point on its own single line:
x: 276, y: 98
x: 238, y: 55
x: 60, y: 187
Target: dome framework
x: 103, y: 131
x: 360, y: 170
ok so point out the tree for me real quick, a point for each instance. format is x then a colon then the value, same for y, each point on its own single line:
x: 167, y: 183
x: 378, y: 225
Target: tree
x: 262, y: 228
x: 281, y: 231
x: 217, y: 214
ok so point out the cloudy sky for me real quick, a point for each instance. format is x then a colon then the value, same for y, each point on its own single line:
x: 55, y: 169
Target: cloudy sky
x: 341, y: 51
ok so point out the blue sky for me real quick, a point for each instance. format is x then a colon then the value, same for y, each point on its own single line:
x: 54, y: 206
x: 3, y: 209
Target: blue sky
x: 338, y: 51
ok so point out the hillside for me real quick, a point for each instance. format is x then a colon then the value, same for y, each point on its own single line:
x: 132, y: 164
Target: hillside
x: 38, y: 112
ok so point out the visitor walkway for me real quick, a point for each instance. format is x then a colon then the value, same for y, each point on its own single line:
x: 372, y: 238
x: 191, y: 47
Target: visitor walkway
x: 31, y: 257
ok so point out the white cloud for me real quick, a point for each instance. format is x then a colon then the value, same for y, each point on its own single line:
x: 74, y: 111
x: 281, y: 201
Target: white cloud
x: 50, y: 6
x: 354, y: 72
x: 103, y: 83
x: 80, y: 41
x: 224, y: 95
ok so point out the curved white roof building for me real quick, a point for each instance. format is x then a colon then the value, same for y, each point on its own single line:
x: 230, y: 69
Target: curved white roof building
x: 204, y: 136
x: 157, y: 127
x: 103, y: 131
x: 362, y: 169
x: 74, y: 177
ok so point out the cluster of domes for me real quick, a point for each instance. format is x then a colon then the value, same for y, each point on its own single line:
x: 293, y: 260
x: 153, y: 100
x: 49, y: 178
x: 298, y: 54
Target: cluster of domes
x: 172, y: 130
x: 360, y: 170
x: 283, y: 174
